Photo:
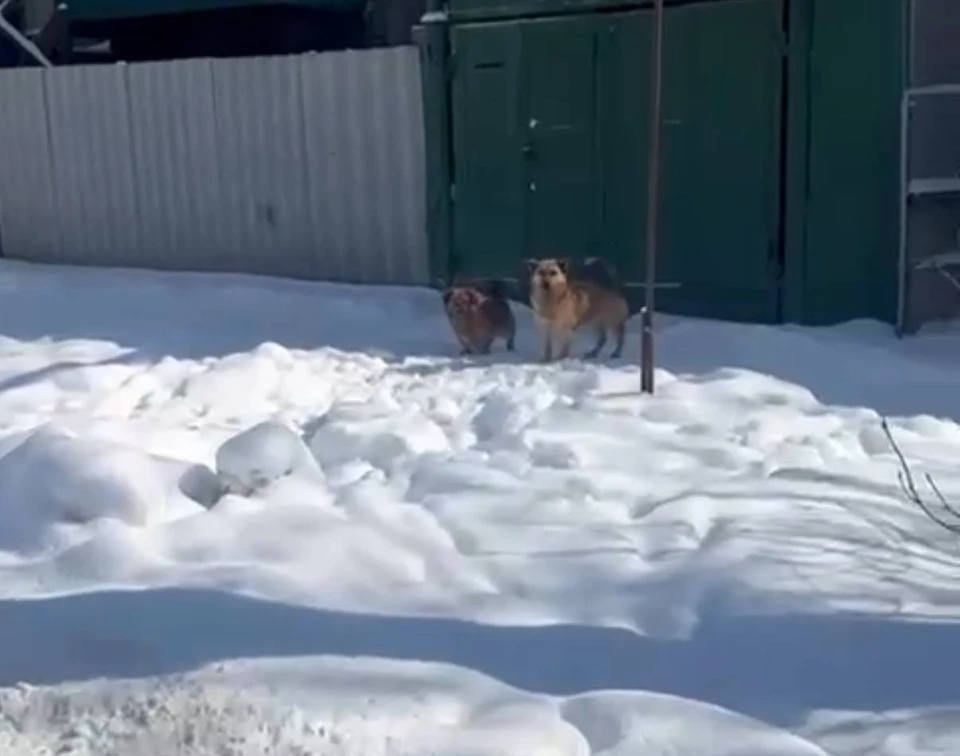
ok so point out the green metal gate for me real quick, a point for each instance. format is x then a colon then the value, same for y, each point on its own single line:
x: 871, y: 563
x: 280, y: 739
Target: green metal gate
x: 525, y: 142
x: 721, y: 183
x: 550, y: 143
x: 843, y: 251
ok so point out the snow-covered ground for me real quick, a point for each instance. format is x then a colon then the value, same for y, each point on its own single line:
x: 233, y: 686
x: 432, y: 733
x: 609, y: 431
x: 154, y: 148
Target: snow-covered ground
x: 246, y: 516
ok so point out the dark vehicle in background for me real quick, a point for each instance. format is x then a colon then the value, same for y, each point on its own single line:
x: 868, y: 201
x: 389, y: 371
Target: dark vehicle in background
x: 169, y: 29
x: 9, y: 50
x: 141, y: 30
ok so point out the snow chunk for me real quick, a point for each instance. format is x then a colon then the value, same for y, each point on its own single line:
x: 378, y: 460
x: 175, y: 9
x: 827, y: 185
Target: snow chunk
x: 383, y: 438
x: 55, y: 478
x: 262, y: 455
x: 200, y: 484
x: 506, y: 413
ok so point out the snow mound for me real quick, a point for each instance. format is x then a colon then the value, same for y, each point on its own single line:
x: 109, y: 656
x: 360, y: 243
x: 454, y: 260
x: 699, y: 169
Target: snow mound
x: 380, y: 432
x: 495, y: 514
x: 109, y: 552
x: 625, y: 724
x: 262, y: 455
x: 366, y: 707
x: 54, y: 478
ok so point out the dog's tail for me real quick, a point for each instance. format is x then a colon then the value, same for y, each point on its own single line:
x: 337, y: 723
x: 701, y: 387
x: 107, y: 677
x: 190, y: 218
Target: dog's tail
x: 494, y: 287
x: 601, y: 272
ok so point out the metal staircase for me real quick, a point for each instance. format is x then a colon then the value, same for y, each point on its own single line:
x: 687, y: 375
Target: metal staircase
x: 929, y: 264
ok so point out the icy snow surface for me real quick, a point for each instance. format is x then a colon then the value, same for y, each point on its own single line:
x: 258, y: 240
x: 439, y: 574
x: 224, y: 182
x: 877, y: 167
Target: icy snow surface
x: 246, y: 516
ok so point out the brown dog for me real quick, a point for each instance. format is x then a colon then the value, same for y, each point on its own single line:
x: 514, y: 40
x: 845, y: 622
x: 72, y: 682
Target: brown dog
x: 562, y: 304
x: 479, y: 313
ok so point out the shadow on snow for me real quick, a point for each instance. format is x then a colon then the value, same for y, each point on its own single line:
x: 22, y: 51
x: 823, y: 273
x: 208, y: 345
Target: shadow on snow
x: 771, y: 668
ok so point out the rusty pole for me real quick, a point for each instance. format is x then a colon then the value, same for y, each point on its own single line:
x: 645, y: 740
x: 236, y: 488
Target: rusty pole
x: 653, y: 201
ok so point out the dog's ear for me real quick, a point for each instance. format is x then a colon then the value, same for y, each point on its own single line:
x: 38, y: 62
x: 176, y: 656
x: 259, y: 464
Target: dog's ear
x: 445, y: 290
x: 564, y: 264
x: 496, y: 288
x: 531, y: 264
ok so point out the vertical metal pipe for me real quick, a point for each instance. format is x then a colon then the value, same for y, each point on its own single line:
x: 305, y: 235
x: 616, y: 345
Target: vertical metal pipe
x: 653, y: 201
x: 903, y: 259
x: 903, y: 277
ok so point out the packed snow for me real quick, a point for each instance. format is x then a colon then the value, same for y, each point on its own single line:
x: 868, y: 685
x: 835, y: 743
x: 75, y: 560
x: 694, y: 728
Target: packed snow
x: 241, y: 515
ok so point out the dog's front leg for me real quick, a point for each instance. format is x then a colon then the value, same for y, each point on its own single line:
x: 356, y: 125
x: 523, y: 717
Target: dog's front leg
x: 547, y: 337
x: 566, y: 338
x: 601, y: 342
x: 621, y: 332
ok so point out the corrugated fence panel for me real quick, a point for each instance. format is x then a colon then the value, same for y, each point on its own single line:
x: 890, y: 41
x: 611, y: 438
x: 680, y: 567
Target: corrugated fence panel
x: 175, y: 150
x: 309, y: 166
x: 92, y: 156
x: 266, y: 201
x: 366, y: 157
x: 411, y: 163
x: 27, y: 198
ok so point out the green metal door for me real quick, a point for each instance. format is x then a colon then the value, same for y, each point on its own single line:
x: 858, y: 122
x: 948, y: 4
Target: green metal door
x: 524, y: 143
x: 489, y: 191
x: 856, y: 75
x: 624, y: 46
x: 720, y: 204
x: 558, y: 97
x: 720, y: 163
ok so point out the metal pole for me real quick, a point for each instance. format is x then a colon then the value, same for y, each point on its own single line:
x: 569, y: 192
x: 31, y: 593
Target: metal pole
x: 903, y: 261
x: 653, y: 201
x: 903, y: 278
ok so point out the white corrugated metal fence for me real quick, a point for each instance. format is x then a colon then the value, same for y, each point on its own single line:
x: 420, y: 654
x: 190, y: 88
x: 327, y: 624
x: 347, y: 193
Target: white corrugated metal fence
x: 307, y: 166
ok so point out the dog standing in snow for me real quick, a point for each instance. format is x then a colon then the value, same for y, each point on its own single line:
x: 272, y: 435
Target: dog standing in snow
x: 564, y: 303
x: 479, y: 313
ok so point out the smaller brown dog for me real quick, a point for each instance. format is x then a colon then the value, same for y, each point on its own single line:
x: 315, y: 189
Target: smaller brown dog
x: 563, y: 304
x: 479, y: 313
